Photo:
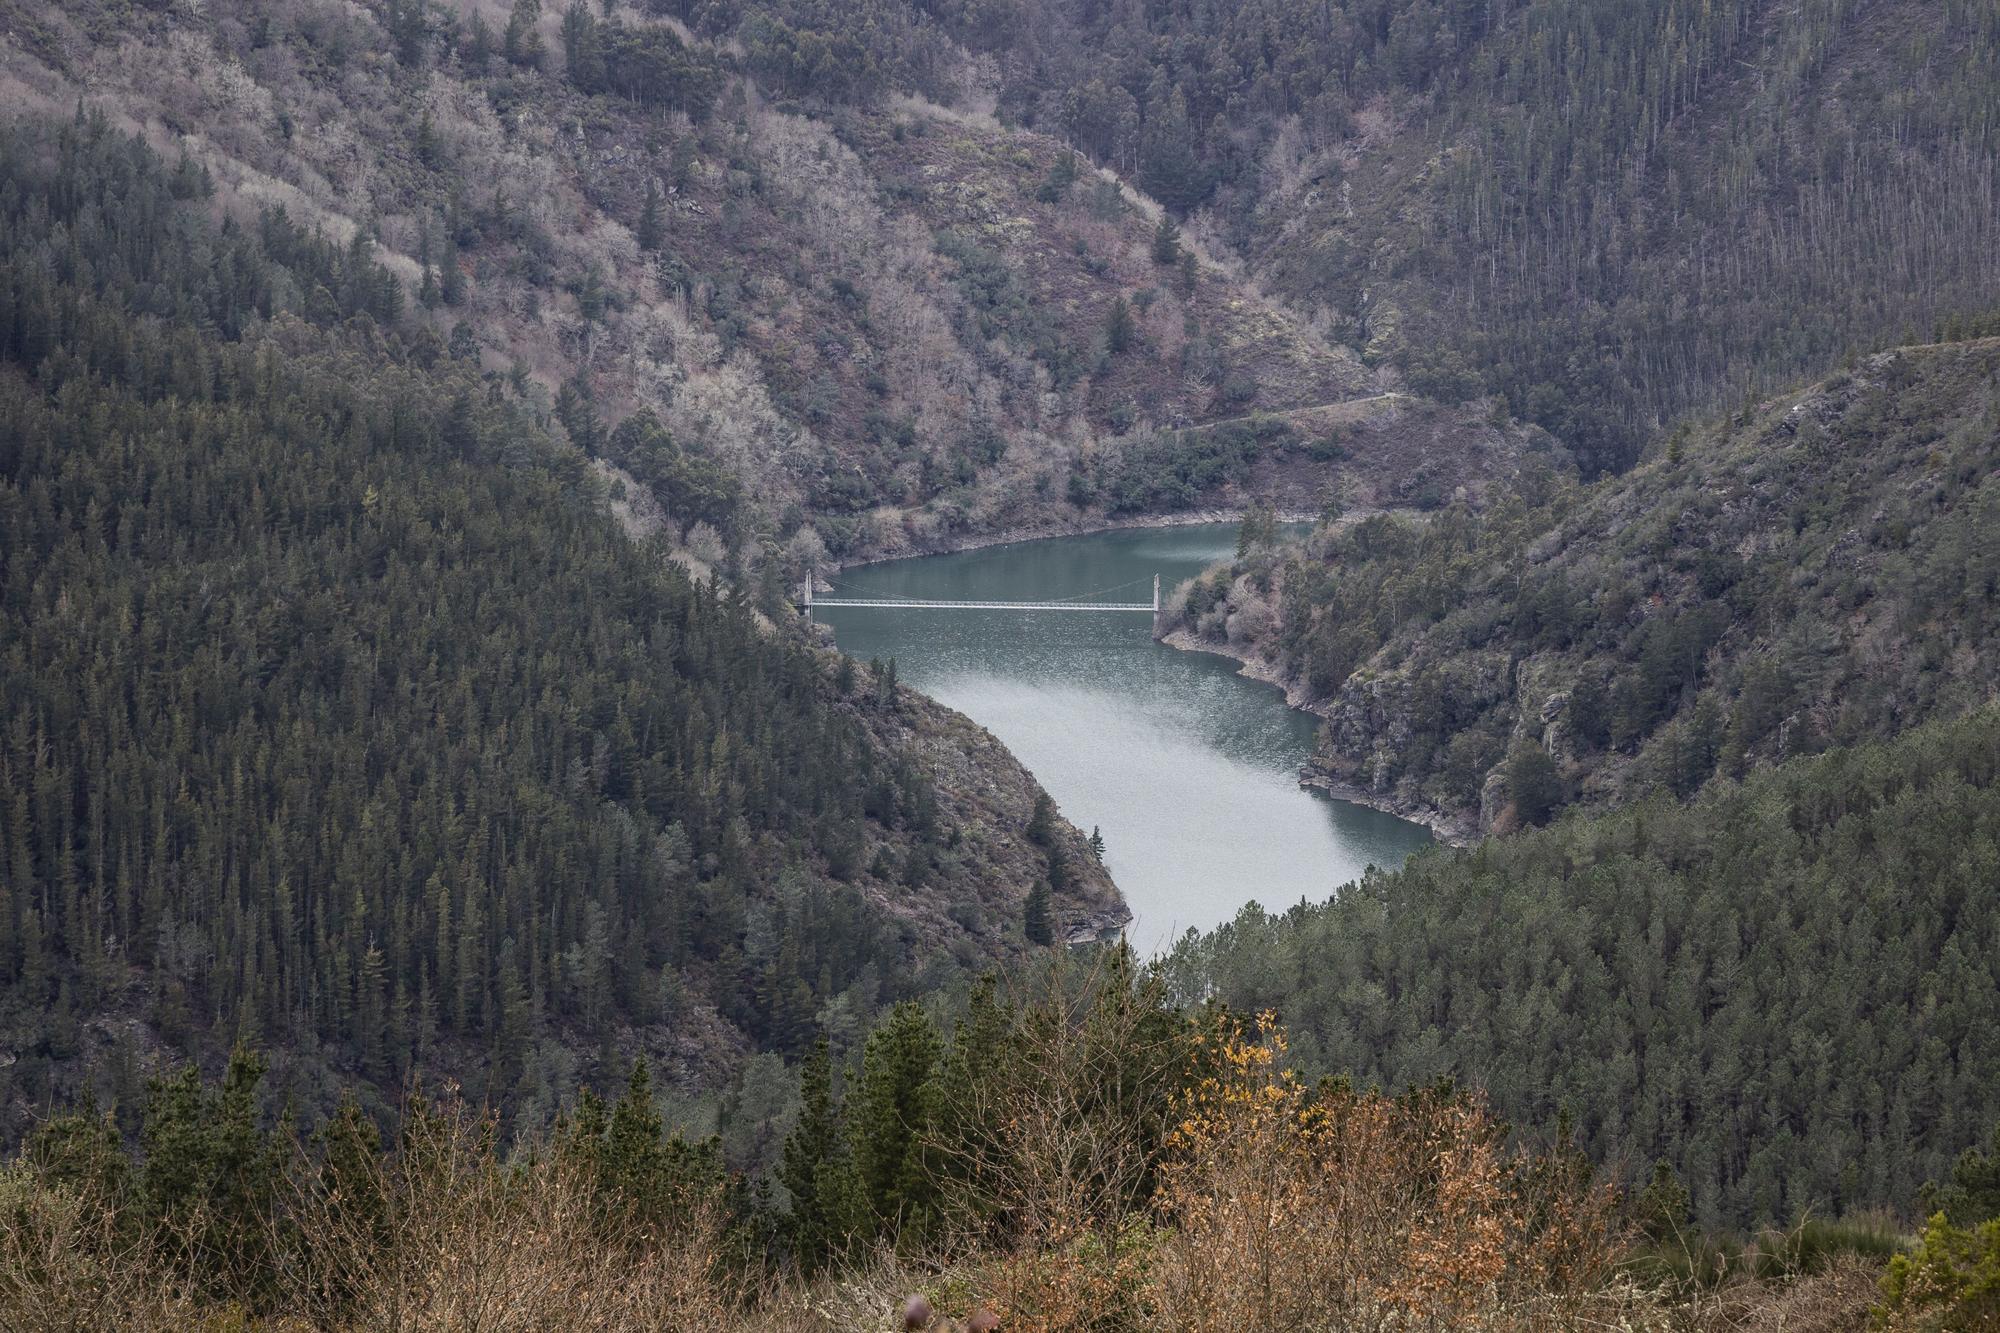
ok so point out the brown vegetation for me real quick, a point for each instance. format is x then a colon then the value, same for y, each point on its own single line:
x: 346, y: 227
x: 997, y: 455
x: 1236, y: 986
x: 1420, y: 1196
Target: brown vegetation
x: 1268, y: 1204
x: 886, y: 323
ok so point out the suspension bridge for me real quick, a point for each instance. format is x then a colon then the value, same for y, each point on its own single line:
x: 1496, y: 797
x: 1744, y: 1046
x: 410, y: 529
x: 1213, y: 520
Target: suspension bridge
x: 1080, y: 602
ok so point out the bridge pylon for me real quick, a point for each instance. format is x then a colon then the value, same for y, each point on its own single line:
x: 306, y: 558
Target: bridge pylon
x: 1157, y: 632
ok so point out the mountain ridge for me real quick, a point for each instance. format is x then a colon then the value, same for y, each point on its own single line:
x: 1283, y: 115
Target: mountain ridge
x: 1762, y: 572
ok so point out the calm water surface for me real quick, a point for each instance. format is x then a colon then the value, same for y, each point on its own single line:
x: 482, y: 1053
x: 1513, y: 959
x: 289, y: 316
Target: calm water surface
x: 1190, y: 770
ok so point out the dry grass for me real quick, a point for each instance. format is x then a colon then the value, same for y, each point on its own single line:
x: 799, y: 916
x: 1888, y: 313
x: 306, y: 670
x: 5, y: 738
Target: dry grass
x: 1087, y: 1199
x: 1295, y: 1209
x: 444, y: 1236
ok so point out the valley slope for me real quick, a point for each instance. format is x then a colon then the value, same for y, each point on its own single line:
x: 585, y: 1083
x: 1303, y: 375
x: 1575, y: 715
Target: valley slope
x: 1816, y: 571
x: 342, y: 719
x: 852, y: 321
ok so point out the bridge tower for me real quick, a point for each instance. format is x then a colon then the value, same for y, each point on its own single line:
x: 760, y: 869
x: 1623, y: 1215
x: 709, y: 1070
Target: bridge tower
x: 1156, y: 606
x: 812, y: 577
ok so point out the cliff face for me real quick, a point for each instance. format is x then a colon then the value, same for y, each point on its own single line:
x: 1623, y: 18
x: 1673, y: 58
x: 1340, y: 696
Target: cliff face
x: 987, y: 799
x: 1814, y: 571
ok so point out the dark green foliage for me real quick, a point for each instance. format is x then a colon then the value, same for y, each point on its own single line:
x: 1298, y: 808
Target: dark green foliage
x: 827, y: 1209
x: 688, y: 484
x: 577, y: 410
x: 1061, y: 175
x: 211, y: 1172
x: 1534, y: 784
x: 339, y: 713
x: 1815, y: 573
x: 648, y: 64
x: 1258, y: 528
x: 639, y: 1169
x: 408, y: 30
x: 429, y: 150
x: 1166, y: 242
x: 1788, y: 990
x: 1173, y: 470
x: 1662, y: 1207
x: 1972, y: 1194
x: 583, y: 52
x: 521, y: 44
x: 999, y: 303
x: 82, y: 1151
x: 891, y: 1110
x: 651, y: 232
x: 1041, y: 828
x: 1039, y: 923
x: 476, y: 49
x: 1118, y: 329
x: 809, y: 62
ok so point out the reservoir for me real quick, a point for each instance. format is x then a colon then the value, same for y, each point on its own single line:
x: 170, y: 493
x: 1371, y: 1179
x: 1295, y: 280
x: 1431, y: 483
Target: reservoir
x: 1189, y: 770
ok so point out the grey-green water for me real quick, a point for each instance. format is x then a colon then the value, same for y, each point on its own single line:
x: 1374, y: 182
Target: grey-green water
x: 1190, y: 770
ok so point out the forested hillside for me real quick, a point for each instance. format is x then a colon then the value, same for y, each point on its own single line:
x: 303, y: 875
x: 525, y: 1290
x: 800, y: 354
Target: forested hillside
x: 341, y: 719
x: 1817, y: 571
x: 1786, y: 989
x: 1609, y: 214
x: 862, y: 266
x: 814, y: 316
x: 416, y: 415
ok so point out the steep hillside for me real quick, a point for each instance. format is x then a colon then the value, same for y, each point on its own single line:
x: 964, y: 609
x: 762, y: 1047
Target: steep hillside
x: 1817, y: 571
x: 1612, y: 214
x: 342, y: 718
x: 1786, y: 990
x: 851, y: 325
x: 1615, y: 215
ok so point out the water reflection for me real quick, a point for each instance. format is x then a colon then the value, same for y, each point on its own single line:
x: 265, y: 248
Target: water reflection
x: 1189, y: 769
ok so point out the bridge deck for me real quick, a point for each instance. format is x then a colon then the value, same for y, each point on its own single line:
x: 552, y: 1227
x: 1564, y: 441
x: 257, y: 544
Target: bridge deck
x: 819, y: 602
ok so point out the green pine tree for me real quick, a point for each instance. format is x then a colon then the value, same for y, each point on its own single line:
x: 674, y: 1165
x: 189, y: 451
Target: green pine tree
x: 633, y: 1160
x: 522, y: 44
x: 1118, y: 327
x: 1040, y: 920
x: 652, y: 232
x: 892, y: 1111
x: 818, y: 1171
x: 1042, y: 821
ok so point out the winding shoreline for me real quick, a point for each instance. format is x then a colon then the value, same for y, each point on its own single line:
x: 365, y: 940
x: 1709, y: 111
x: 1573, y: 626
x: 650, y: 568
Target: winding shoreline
x: 1453, y: 832
x: 1448, y: 829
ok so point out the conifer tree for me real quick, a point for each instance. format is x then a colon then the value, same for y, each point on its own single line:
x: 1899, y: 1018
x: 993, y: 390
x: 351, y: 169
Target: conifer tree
x: 451, y: 278
x: 1040, y: 920
x: 633, y: 1159
x: 652, y: 233
x: 1118, y: 327
x: 1041, y: 828
x: 577, y: 411
x: 429, y: 149
x: 522, y: 44
x: 477, y: 48
x: 1059, y: 878
x: 818, y: 1171
x: 82, y: 1151
x: 583, y: 53
x: 350, y: 1168
x: 892, y: 1111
